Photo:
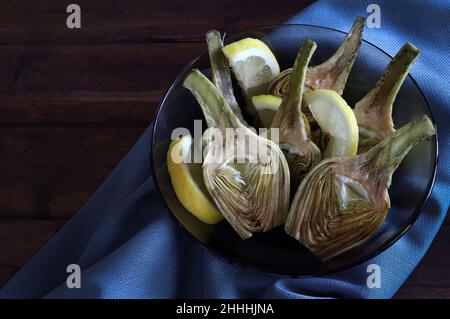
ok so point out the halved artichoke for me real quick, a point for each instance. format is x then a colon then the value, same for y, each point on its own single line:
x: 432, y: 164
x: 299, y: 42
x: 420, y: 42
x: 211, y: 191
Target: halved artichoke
x: 301, y: 152
x: 344, y: 200
x: 374, y: 112
x: 220, y: 72
x: 246, y: 175
x: 331, y: 74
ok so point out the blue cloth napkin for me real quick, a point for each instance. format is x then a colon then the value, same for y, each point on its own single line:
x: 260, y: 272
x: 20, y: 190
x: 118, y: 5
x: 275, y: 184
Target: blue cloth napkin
x: 128, y: 247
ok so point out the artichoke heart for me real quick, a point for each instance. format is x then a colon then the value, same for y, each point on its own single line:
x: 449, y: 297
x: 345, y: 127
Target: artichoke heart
x: 280, y: 85
x: 344, y: 200
x: 301, y: 152
x: 374, y: 111
x: 331, y: 74
x: 246, y: 175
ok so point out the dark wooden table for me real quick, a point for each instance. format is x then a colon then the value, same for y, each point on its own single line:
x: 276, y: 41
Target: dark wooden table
x: 73, y: 102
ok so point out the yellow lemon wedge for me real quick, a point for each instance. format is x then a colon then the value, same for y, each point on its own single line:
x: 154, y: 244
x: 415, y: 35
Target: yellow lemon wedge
x: 267, y: 105
x: 253, y: 64
x: 187, y: 181
x: 336, y: 119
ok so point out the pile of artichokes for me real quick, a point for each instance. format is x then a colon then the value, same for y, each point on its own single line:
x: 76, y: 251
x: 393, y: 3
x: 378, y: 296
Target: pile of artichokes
x: 329, y: 205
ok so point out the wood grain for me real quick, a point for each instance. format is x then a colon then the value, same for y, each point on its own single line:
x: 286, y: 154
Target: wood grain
x: 96, y: 68
x: 106, y: 21
x: 51, y: 172
x: 104, y: 84
x: 73, y: 102
x: 20, y: 240
x: 79, y: 109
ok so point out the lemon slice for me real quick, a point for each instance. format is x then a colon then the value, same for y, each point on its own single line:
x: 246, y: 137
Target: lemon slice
x: 267, y: 105
x: 187, y: 181
x: 336, y: 120
x: 253, y: 64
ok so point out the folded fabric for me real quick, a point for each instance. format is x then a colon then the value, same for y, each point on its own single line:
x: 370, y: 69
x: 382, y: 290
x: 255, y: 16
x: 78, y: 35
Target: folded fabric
x: 128, y: 247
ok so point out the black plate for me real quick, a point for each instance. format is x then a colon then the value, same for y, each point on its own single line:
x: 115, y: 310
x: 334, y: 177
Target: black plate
x: 274, y: 251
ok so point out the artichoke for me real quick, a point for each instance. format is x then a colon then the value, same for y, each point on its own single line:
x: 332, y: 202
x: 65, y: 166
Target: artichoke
x: 301, y: 152
x: 374, y: 112
x: 344, y: 200
x: 220, y: 72
x: 249, y: 185
x: 331, y: 74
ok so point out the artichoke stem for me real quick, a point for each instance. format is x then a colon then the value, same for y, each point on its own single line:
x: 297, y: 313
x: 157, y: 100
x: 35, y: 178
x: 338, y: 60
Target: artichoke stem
x: 289, y: 112
x: 333, y: 73
x: 384, y: 158
x: 217, y: 112
x: 221, y: 73
x: 386, y: 90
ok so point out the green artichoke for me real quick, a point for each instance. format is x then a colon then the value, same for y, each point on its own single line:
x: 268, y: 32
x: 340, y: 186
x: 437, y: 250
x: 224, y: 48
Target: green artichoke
x: 344, y: 200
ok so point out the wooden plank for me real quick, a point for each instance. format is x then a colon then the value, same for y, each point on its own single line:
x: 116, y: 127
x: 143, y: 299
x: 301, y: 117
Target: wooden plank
x: 7, y: 273
x: 19, y: 241
x: 94, y: 109
x: 419, y: 292
x: 31, y: 22
x: 88, y: 84
x: 51, y: 172
x: 94, y: 68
